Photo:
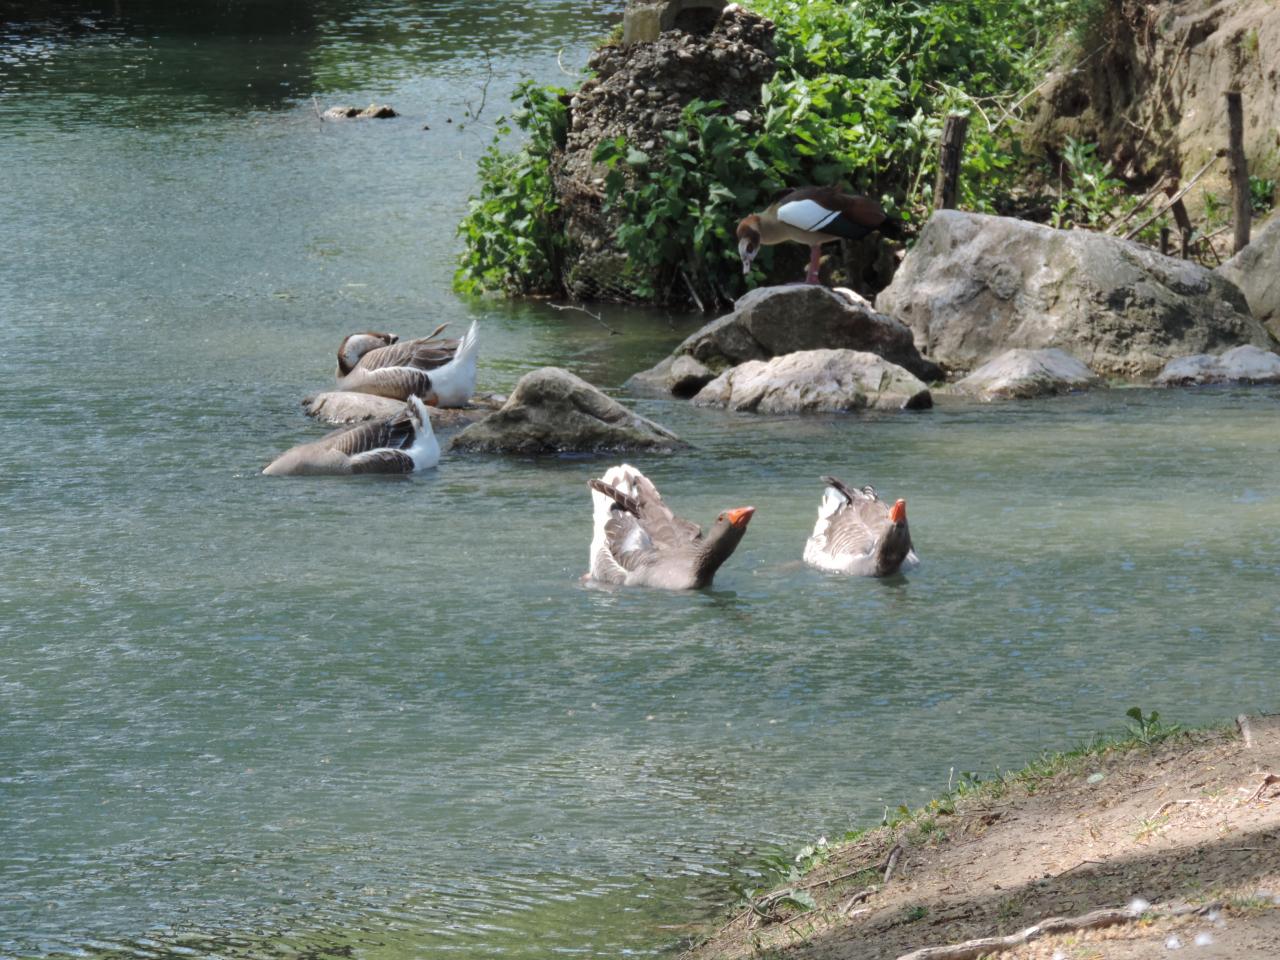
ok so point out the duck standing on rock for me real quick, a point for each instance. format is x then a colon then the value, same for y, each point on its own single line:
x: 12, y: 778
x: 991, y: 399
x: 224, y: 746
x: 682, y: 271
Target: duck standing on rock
x: 858, y: 533
x: 639, y: 541
x: 399, y: 444
x: 813, y: 216
x: 443, y: 372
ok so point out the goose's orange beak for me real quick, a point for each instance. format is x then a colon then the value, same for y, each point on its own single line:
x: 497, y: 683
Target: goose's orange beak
x: 741, y: 516
x: 898, y: 513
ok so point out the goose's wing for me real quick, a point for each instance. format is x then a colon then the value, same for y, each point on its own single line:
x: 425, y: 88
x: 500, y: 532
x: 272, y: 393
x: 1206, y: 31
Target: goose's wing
x: 394, y: 433
x: 857, y: 522
x: 630, y: 547
x: 423, y: 353
x: 658, y: 520
x: 827, y: 210
x: 398, y: 383
x: 382, y: 460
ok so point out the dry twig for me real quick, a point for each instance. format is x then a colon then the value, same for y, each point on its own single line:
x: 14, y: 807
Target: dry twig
x: 1267, y: 781
x: 892, y: 863
x: 594, y: 316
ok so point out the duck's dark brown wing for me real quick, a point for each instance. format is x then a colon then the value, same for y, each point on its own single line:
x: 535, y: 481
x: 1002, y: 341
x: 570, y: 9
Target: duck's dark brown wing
x: 827, y: 210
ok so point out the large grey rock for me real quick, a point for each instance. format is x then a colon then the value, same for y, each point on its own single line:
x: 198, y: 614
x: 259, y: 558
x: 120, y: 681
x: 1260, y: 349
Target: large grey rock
x: 552, y: 411
x: 1028, y: 373
x: 816, y: 381
x: 975, y: 285
x: 1256, y: 271
x: 773, y: 321
x: 1238, y: 365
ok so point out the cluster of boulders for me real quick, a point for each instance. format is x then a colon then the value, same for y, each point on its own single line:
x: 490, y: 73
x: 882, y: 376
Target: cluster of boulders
x: 989, y: 308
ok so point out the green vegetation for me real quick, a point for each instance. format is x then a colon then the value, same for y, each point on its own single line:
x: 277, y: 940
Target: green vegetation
x: 861, y: 92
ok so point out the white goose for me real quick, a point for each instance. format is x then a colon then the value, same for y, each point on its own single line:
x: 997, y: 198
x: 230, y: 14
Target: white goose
x: 858, y: 533
x: 399, y: 444
x: 443, y: 372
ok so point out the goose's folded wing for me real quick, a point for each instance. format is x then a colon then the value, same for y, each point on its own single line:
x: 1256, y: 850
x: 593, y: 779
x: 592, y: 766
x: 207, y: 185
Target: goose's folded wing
x: 393, y: 433
x: 662, y: 525
x: 399, y: 383
x: 827, y: 210
x: 382, y: 461
x: 856, y: 527
x: 630, y: 547
x: 423, y: 353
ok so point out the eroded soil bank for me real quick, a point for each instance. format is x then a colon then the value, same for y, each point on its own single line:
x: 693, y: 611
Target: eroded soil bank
x: 1143, y: 851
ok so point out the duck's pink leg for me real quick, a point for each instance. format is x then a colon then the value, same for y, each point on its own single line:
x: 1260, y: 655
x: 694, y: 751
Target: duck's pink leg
x: 815, y: 253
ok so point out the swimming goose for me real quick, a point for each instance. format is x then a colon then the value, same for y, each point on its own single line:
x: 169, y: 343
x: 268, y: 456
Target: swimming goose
x: 858, y: 533
x: 399, y: 444
x: 639, y: 541
x: 443, y: 372
x: 813, y: 216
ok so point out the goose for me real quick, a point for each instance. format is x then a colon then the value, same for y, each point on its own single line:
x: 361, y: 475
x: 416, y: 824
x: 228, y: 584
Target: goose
x: 813, y: 216
x: 443, y: 372
x: 858, y: 533
x: 401, y: 443
x: 638, y: 540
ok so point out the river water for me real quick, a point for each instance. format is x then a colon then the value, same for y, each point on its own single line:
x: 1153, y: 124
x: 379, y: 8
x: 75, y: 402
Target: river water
x: 251, y: 717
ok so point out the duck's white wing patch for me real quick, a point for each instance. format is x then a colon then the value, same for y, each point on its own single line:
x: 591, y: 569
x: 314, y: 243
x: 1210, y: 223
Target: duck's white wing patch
x: 806, y: 215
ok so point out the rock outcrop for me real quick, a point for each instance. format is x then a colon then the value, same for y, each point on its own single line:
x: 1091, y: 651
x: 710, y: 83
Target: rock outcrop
x: 975, y: 285
x: 772, y: 321
x: 816, y: 381
x: 1256, y: 271
x: 1028, y: 373
x: 1238, y: 365
x: 552, y: 411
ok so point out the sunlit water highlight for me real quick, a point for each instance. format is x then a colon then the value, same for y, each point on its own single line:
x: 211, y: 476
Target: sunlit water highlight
x: 247, y: 717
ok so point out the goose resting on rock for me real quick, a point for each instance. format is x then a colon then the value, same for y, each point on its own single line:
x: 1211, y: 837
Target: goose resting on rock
x: 639, y: 541
x: 398, y: 444
x: 858, y: 533
x: 812, y: 216
x: 443, y: 372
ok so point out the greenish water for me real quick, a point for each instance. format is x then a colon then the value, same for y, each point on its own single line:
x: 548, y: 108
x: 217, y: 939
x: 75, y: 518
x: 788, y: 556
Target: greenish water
x: 248, y: 717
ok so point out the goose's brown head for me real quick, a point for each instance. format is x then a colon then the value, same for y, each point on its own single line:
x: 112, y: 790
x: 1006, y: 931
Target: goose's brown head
x: 356, y: 345
x: 748, y: 240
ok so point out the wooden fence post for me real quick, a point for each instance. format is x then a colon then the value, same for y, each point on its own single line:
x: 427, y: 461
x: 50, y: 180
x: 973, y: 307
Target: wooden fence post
x: 1238, y: 170
x: 949, y: 155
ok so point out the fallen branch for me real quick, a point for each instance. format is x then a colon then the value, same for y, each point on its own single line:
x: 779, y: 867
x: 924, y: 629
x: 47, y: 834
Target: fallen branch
x: 972, y: 949
x: 1267, y: 781
x: 1174, y: 199
x: 1246, y: 731
x: 856, y: 898
x: 1141, y: 205
x: 1076, y: 867
x: 594, y: 316
x: 1167, y: 804
x: 692, y: 292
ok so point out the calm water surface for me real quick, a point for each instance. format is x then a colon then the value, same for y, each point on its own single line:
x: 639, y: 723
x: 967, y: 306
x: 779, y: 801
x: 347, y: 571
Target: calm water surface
x: 244, y: 717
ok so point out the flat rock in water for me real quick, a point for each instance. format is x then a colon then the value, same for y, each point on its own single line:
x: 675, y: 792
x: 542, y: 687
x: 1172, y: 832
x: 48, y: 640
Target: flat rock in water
x: 349, y: 406
x: 552, y: 411
x: 1028, y: 373
x: 817, y: 381
x: 1256, y: 271
x: 374, y: 111
x: 976, y: 285
x: 1237, y: 365
x: 773, y: 321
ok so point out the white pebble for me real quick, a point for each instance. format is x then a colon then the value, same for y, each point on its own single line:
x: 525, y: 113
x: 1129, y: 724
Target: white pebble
x: 1173, y: 943
x: 1204, y: 939
x: 1137, y: 905
x: 1059, y: 955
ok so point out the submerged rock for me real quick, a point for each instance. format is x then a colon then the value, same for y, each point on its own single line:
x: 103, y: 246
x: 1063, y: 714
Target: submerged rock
x: 817, y: 381
x: 1256, y: 271
x: 774, y: 321
x: 552, y: 411
x: 1246, y: 364
x: 976, y: 285
x: 1028, y: 373
x: 373, y: 111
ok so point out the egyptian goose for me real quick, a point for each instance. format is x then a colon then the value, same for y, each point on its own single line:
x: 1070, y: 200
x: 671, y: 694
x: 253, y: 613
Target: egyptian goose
x: 639, y: 541
x: 859, y: 533
x: 443, y: 372
x: 398, y: 444
x: 813, y: 216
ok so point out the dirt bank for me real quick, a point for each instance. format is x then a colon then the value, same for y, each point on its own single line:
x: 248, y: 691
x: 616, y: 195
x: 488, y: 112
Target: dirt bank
x: 1188, y: 828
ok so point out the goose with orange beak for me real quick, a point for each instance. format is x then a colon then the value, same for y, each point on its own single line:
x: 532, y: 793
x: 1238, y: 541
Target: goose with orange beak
x: 639, y: 541
x: 858, y: 533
